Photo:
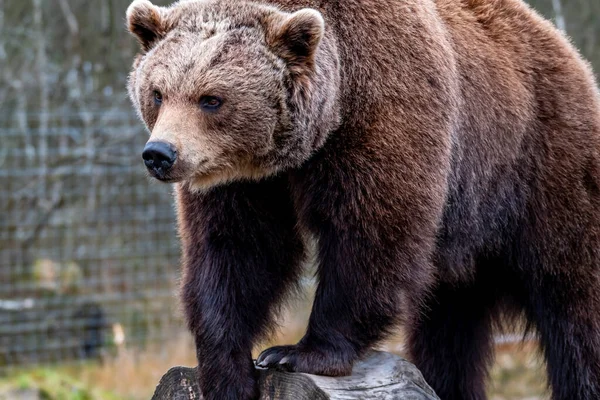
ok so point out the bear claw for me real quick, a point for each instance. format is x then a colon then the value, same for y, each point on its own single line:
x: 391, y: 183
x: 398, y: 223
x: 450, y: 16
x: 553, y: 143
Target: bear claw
x: 299, y: 358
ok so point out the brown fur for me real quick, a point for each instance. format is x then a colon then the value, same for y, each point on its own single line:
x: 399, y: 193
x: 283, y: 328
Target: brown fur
x: 444, y: 153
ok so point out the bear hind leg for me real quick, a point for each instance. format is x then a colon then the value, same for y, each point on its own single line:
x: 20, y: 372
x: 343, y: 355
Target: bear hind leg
x: 567, y: 319
x: 452, y: 342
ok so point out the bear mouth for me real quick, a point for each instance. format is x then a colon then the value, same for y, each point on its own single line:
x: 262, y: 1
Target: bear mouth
x: 167, y: 180
x: 164, y: 178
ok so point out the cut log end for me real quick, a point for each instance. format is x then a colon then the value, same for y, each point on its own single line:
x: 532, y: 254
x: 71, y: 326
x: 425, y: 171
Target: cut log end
x: 377, y: 376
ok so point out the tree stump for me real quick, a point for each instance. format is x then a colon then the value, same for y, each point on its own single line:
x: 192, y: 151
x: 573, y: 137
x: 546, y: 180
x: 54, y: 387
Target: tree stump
x: 378, y: 376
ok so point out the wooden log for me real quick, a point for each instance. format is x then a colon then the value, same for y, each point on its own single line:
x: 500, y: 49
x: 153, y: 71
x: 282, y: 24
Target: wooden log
x: 378, y: 376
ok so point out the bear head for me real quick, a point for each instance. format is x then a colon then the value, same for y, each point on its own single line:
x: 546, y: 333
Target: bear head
x: 231, y: 90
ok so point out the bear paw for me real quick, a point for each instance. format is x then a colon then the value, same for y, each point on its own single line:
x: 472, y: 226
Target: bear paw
x: 301, y: 358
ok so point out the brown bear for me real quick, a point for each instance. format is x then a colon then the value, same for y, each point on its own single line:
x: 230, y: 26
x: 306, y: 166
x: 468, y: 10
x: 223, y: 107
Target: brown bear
x: 443, y: 153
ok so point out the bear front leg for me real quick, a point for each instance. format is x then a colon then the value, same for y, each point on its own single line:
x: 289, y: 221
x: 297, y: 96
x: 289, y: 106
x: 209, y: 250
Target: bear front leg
x: 358, y: 301
x: 364, y: 285
x: 374, y: 252
x: 241, y: 254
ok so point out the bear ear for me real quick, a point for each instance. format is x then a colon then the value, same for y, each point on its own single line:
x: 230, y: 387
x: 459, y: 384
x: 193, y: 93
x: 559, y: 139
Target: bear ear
x: 145, y: 22
x: 296, y: 37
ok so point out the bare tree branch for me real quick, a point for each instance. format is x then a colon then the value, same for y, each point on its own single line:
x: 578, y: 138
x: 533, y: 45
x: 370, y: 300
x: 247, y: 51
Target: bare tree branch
x: 70, y: 17
x: 42, y: 79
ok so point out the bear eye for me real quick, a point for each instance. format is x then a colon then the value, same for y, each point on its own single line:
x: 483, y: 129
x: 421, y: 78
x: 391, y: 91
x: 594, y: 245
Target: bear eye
x: 158, y: 98
x: 210, y: 103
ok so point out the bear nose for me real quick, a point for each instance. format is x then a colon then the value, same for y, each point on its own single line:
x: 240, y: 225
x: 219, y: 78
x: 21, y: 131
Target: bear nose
x: 159, y: 157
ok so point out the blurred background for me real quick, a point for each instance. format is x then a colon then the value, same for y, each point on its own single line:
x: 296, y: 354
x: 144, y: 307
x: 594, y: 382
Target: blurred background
x: 88, y: 248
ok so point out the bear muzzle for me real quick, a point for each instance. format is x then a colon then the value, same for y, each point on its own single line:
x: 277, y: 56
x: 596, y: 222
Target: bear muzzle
x: 159, y: 158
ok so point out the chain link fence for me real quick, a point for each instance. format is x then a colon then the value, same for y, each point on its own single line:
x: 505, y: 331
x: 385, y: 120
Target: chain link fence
x: 88, y: 251
x: 88, y: 248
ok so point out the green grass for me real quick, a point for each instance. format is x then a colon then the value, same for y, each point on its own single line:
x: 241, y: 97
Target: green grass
x: 51, y: 384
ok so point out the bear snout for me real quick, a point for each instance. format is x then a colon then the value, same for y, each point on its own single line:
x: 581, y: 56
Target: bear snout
x: 159, y: 157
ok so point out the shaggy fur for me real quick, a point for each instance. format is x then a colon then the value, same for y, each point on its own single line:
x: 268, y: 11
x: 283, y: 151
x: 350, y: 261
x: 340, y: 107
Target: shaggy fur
x: 444, y: 153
